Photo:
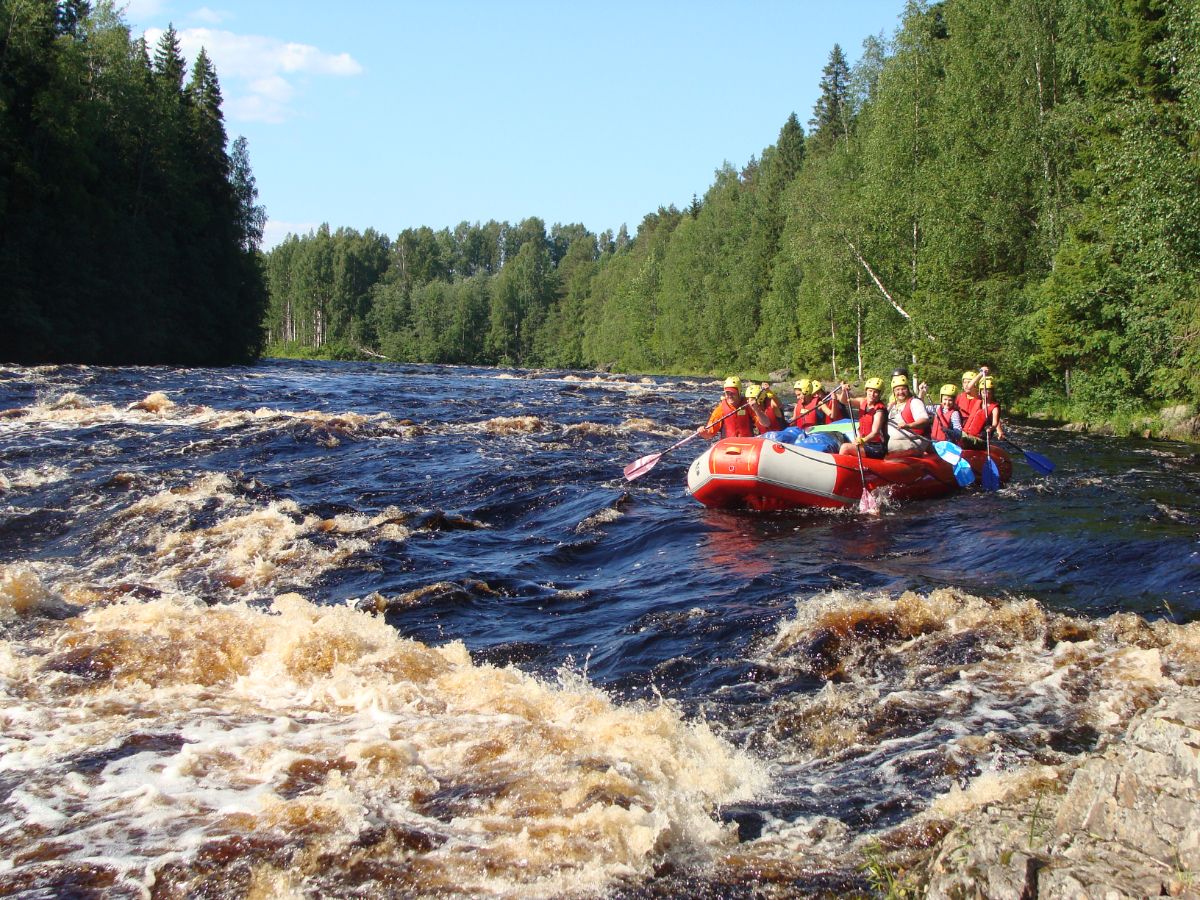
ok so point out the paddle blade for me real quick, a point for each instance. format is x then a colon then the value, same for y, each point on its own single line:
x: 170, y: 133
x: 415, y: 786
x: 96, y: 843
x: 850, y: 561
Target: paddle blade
x: 1039, y: 462
x: 991, y: 475
x: 867, y: 504
x: 964, y: 474
x: 640, y: 467
x: 952, y: 454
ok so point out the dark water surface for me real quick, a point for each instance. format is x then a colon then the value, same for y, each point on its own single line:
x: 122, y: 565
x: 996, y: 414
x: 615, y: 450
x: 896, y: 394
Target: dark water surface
x: 323, y: 629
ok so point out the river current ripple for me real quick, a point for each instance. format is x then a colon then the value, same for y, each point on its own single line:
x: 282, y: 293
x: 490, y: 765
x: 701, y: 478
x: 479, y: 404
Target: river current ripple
x: 342, y: 629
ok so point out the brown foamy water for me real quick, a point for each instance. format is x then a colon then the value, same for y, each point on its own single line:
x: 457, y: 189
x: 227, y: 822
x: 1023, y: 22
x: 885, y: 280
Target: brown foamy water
x: 311, y: 629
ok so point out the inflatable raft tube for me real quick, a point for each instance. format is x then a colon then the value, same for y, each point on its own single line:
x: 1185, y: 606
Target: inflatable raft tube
x: 765, y: 475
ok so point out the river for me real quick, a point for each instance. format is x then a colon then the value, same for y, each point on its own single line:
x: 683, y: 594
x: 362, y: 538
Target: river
x: 346, y: 629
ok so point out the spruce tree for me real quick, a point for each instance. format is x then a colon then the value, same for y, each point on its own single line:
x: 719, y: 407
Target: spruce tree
x: 831, y: 113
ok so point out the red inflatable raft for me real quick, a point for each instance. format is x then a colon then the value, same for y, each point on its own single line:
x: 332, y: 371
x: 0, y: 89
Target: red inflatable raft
x: 764, y: 475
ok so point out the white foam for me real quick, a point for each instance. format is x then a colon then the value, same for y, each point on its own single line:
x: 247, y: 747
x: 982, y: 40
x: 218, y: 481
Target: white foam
x: 313, y: 724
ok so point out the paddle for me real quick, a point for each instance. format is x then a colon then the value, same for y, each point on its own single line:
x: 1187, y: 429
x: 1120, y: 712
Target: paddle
x: 1036, y: 460
x: 640, y: 467
x: 991, y: 475
x: 949, y: 451
x: 866, y: 502
x: 952, y: 453
x: 820, y: 402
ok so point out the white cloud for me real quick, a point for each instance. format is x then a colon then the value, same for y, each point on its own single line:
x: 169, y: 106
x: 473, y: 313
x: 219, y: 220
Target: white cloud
x: 208, y: 16
x: 143, y: 10
x: 275, y: 232
x: 252, y: 69
x: 303, y: 58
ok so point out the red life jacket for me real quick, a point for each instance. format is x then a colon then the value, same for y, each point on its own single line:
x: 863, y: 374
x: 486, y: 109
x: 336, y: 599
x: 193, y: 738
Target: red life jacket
x: 979, y: 420
x: 866, y: 421
x: 942, y: 419
x: 808, y: 416
x: 906, y: 414
x: 774, y: 413
x: 740, y: 424
x: 967, y: 404
x: 839, y: 410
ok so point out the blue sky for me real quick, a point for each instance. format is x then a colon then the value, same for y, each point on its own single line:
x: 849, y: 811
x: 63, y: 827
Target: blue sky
x: 394, y: 115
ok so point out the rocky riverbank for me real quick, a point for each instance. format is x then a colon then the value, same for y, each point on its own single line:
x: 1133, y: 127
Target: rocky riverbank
x: 1172, y: 423
x: 1123, y: 822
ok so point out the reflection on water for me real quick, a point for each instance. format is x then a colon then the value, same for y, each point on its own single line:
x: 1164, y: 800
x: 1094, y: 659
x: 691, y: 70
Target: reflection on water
x: 309, y: 629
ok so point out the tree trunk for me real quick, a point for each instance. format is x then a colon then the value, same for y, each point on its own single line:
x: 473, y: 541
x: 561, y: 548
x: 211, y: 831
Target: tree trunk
x: 858, y: 336
x: 833, y: 342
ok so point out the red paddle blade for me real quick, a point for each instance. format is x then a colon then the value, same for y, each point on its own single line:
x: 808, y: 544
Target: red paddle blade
x: 867, y: 504
x: 640, y: 467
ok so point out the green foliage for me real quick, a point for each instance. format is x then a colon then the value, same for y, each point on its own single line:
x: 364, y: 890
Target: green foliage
x: 124, y: 235
x: 832, y: 113
x: 326, y: 288
x: 887, y: 880
x: 1009, y: 182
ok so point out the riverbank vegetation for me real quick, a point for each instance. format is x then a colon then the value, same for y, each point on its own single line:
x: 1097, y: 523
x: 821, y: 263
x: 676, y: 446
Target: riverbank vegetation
x: 1011, y: 183
x: 128, y: 226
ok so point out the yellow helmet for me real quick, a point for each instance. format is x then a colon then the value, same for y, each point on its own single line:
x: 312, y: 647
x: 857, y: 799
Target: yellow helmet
x: 803, y: 385
x: 733, y: 382
x: 876, y: 383
x: 989, y: 383
x: 753, y: 391
x: 967, y: 376
x: 898, y: 380
x: 948, y: 389
x: 817, y: 386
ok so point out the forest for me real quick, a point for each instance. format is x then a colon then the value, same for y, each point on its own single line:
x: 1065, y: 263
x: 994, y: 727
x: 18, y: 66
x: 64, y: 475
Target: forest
x: 1010, y: 182
x: 129, y: 232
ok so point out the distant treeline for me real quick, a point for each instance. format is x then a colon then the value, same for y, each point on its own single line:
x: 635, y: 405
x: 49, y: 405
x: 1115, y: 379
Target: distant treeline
x: 1010, y: 182
x: 128, y: 232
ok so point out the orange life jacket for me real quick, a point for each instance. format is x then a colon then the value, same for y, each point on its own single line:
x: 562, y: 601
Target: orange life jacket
x: 740, y: 424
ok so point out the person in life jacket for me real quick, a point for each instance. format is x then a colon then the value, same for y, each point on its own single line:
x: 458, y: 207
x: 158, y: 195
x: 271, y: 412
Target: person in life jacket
x: 808, y: 406
x: 984, y: 419
x: 832, y: 408
x: 947, y: 420
x: 968, y: 400
x: 771, y: 405
x: 872, y: 422
x: 767, y: 400
x: 743, y: 421
x: 907, y: 412
x: 764, y: 409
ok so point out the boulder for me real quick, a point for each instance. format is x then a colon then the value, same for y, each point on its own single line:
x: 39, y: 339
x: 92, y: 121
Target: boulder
x: 1144, y: 795
x: 1182, y: 429
x: 1172, y: 414
x: 1127, y: 825
x: 780, y: 375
